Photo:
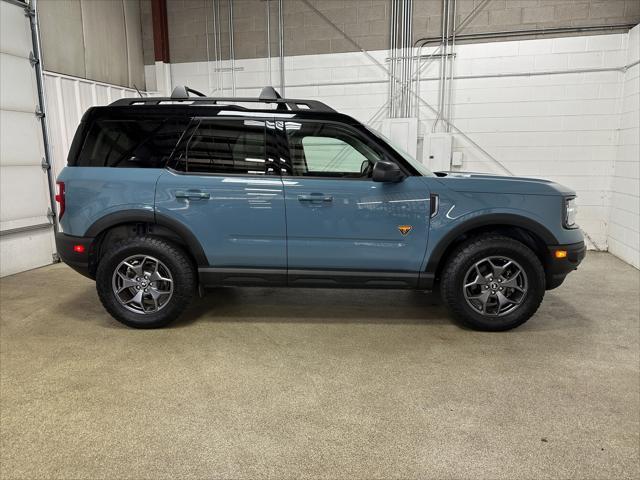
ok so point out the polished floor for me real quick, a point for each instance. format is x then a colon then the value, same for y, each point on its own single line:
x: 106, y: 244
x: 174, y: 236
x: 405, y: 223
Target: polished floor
x: 257, y: 383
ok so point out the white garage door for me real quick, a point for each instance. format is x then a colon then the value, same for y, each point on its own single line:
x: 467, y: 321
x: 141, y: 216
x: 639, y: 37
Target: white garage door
x: 26, y: 236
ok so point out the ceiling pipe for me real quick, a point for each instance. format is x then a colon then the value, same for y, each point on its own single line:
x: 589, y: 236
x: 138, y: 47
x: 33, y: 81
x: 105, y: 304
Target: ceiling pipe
x: 531, y: 32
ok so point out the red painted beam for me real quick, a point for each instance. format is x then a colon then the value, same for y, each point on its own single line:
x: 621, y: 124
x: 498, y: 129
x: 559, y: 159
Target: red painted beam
x: 160, y: 30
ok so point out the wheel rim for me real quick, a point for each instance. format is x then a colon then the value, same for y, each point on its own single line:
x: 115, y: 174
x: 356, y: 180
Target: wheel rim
x: 142, y: 284
x: 495, y: 286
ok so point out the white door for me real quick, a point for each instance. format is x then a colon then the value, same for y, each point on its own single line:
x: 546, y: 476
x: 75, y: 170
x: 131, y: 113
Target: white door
x: 26, y: 233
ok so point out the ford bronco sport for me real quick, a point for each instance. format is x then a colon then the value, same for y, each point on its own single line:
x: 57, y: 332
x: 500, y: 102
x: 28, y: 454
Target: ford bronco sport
x: 163, y: 197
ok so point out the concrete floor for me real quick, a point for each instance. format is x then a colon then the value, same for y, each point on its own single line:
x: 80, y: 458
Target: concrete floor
x: 259, y: 383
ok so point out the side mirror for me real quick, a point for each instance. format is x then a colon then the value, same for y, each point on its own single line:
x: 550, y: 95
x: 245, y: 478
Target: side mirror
x: 384, y: 171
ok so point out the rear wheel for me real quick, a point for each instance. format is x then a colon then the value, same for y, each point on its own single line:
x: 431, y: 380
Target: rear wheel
x: 145, y: 282
x: 493, y: 283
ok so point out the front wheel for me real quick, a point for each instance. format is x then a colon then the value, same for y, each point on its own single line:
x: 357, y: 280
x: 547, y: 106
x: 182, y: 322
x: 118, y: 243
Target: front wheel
x: 145, y: 282
x: 493, y: 283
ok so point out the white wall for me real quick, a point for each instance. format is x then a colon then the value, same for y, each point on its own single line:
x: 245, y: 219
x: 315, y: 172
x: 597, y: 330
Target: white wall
x: 541, y: 122
x: 624, y: 239
x: 26, y: 239
x: 67, y: 99
x: 562, y: 127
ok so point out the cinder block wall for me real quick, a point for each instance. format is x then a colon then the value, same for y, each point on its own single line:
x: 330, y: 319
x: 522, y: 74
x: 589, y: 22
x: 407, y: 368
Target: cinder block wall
x: 559, y: 126
x: 192, y: 39
x: 624, y: 229
x: 568, y: 115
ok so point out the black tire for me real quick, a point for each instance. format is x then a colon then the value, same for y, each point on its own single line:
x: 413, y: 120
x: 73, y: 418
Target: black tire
x: 181, y: 270
x: 474, y: 250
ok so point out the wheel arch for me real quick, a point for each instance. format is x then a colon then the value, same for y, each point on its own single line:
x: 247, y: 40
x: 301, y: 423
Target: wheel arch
x: 143, y: 222
x: 533, y: 234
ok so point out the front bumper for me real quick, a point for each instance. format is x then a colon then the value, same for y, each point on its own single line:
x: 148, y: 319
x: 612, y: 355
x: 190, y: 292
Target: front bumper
x: 557, y: 269
x: 79, y: 261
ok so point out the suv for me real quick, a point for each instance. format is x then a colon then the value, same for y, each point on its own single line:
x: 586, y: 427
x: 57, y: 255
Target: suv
x: 163, y: 197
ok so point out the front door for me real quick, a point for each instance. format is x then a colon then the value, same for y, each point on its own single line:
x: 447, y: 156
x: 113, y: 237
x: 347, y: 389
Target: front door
x: 222, y: 186
x: 342, y: 227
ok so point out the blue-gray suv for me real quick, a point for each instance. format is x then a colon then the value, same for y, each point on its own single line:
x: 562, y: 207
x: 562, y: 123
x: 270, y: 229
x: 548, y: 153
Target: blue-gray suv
x: 165, y: 197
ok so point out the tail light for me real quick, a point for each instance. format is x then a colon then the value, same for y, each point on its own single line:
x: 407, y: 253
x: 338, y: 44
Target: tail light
x: 60, y: 199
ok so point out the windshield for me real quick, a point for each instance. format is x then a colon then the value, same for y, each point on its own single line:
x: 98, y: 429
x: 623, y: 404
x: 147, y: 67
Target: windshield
x: 424, y: 171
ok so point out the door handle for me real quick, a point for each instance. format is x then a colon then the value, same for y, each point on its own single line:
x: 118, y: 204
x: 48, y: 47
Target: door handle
x: 315, y: 197
x: 193, y: 195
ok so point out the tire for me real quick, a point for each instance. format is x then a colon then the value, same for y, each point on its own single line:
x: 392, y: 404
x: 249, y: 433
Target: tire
x: 136, y: 265
x: 486, y: 292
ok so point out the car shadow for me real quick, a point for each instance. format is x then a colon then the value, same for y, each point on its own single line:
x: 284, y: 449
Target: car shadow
x: 291, y: 305
x: 331, y: 306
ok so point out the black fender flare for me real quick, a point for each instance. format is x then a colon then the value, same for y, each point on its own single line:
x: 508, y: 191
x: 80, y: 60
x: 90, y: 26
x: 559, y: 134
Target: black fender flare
x: 488, y: 220
x: 149, y: 216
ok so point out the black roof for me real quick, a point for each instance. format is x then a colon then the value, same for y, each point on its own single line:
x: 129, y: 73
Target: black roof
x: 180, y: 96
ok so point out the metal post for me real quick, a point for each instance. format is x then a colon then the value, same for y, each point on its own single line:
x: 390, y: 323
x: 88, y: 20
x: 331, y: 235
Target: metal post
x: 219, y: 30
x: 392, y: 55
x: 232, y: 53
x: 215, y: 43
x: 32, y: 12
x: 408, y: 61
x: 206, y: 33
x: 451, y: 60
x: 403, y: 54
x: 268, y: 18
x: 281, y: 39
x: 445, y: 10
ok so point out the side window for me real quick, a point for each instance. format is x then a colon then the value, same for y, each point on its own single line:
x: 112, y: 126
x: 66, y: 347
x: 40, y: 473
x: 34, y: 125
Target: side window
x: 225, y: 147
x: 327, y: 150
x: 133, y: 143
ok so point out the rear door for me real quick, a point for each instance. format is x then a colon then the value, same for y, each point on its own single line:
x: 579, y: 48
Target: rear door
x: 342, y: 227
x: 222, y: 185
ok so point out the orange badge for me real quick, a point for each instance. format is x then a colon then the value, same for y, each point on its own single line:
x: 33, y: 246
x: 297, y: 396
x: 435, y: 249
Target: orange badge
x: 404, y: 229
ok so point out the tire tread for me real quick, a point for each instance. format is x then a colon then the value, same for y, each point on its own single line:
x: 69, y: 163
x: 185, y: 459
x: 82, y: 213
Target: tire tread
x: 183, y: 276
x: 471, y: 247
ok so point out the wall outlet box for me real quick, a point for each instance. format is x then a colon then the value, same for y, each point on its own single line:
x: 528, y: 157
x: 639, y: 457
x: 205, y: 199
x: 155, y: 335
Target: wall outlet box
x: 403, y: 132
x: 437, y: 151
x: 456, y: 159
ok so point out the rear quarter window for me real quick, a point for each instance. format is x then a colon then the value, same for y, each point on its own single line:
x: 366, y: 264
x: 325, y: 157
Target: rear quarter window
x: 130, y: 143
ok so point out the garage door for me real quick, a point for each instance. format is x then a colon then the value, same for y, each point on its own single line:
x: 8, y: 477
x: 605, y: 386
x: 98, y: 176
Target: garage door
x: 26, y: 233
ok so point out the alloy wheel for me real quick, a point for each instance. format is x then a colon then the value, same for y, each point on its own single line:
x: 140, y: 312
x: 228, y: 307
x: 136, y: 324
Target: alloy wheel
x: 495, y: 286
x: 142, y: 284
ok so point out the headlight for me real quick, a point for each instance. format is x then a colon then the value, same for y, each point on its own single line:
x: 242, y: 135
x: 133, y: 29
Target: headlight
x: 570, y: 212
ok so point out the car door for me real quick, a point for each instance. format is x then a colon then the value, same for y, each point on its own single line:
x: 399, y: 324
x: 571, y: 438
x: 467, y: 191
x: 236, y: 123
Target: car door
x: 221, y: 184
x: 342, y: 227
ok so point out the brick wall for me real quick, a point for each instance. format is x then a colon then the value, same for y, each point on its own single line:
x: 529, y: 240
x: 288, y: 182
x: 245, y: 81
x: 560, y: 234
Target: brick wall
x: 191, y: 25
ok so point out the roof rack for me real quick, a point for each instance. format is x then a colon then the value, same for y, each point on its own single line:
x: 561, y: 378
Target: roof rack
x: 180, y: 95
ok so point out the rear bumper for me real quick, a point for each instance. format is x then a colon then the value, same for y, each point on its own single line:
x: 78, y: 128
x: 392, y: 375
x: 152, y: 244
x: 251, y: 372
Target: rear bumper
x: 79, y: 261
x: 558, y: 268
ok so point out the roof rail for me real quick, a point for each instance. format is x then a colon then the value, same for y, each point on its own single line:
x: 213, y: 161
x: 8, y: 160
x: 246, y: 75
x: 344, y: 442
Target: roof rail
x: 180, y: 95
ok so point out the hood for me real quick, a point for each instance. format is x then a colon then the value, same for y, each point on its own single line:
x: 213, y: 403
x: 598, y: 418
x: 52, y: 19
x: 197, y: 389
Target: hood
x: 487, y: 183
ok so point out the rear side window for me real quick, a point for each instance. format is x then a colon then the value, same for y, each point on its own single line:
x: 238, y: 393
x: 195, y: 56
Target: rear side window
x: 132, y: 143
x: 225, y: 147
